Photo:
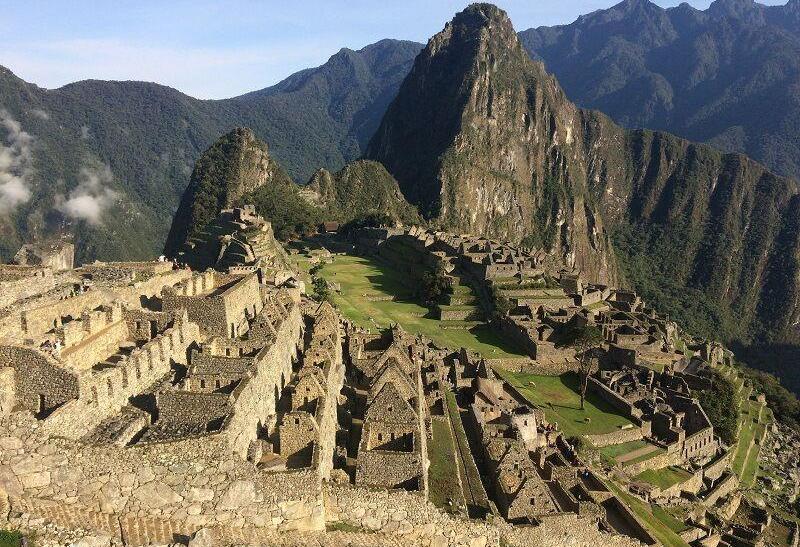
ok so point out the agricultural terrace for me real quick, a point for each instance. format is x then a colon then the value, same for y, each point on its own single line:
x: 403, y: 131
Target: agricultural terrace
x: 373, y: 296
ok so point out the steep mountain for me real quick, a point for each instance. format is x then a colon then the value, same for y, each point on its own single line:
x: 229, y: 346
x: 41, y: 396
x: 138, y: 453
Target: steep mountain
x: 729, y: 75
x: 145, y: 138
x: 239, y: 169
x: 485, y: 140
x: 358, y: 189
x: 234, y: 166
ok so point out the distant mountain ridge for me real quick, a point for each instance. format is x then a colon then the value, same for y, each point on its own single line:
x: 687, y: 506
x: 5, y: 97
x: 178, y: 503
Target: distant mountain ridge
x: 728, y: 75
x: 150, y: 136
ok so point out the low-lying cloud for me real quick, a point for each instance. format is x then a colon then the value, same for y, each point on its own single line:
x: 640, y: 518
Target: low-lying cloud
x: 16, y: 158
x: 89, y: 200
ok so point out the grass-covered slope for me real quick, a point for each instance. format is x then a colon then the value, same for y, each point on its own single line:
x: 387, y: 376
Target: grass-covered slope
x: 358, y: 189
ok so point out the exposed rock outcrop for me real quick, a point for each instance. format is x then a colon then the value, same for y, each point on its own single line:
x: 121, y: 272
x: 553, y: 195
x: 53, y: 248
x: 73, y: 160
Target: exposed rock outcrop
x: 360, y: 188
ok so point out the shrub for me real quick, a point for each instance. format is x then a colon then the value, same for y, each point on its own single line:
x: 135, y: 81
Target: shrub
x: 435, y: 284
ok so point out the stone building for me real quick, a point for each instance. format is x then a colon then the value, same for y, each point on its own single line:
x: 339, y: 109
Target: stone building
x: 232, y: 386
x: 221, y: 304
x: 662, y: 403
x: 307, y: 432
x: 392, y: 449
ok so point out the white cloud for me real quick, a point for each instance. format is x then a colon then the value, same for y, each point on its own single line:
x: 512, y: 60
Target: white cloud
x: 91, y: 197
x: 16, y: 158
x: 41, y: 114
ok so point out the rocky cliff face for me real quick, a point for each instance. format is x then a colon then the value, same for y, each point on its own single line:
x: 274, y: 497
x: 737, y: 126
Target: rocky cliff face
x: 485, y: 141
x: 234, y: 166
x: 728, y: 75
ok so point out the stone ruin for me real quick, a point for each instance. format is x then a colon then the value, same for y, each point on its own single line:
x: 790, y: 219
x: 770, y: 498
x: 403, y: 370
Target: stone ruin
x: 147, y: 401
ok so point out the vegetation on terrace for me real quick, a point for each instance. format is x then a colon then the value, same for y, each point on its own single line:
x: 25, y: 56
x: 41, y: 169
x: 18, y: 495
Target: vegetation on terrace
x: 664, y: 478
x: 376, y: 296
x: 662, y: 525
x: 559, y: 397
x: 443, y: 482
x: 721, y: 404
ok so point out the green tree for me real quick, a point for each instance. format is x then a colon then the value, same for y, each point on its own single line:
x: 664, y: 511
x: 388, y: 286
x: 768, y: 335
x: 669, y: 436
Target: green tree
x: 721, y: 404
x: 321, y: 288
x: 502, y: 304
x: 435, y: 284
x: 586, y: 341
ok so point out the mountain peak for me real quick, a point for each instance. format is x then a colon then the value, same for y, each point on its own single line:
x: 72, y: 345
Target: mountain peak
x: 235, y: 165
x: 477, y: 18
x: 481, y: 14
x: 731, y: 8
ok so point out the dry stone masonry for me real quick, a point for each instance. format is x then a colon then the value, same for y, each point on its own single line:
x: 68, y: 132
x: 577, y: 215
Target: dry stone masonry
x: 149, y: 403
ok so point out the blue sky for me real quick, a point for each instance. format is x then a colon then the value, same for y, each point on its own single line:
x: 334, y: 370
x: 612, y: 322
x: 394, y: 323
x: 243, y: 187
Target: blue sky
x: 222, y: 49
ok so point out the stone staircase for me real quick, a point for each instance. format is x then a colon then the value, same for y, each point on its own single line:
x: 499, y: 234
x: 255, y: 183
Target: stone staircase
x: 461, y: 308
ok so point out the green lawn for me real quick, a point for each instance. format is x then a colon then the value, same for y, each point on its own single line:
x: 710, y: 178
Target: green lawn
x: 645, y: 457
x: 558, y: 396
x: 615, y: 450
x: 362, y: 280
x: 663, y: 526
x: 664, y: 478
x: 442, y: 479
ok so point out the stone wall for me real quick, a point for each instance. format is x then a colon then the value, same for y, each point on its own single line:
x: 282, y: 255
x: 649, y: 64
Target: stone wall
x: 656, y: 462
x: 8, y: 390
x: 613, y: 398
x: 255, y: 406
x: 41, y: 385
x: 188, y: 407
x: 721, y: 489
x: 48, y: 315
x: 148, y: 494
x: 152, y: 287
x: 616, y: 437
x: 221, y: 304
x: 97, y: 345
x: 717, y: 467
x: 19, y: 282
x: 104, y: 392
x: 413, y: 520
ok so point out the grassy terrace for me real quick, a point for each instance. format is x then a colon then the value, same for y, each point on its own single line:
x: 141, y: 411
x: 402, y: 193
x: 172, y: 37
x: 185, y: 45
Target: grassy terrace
x: 630, y: 452
x: 363, y: 281
x: 470, y: 476
x: 616, y: 450
x: 558, y: 396
x: 443, y: 483
x: 664, y: 478
x: 663, y: 526
x: 745, y: 457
